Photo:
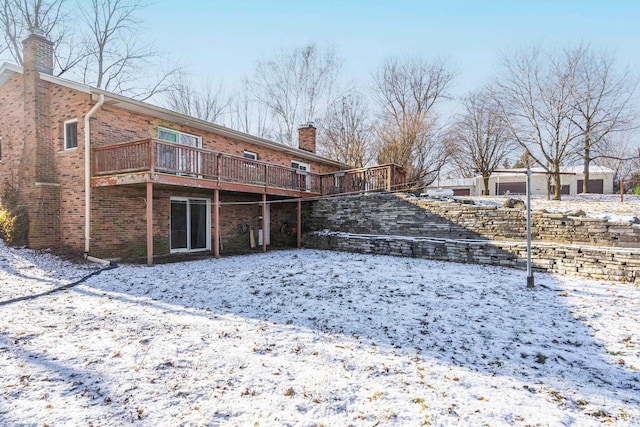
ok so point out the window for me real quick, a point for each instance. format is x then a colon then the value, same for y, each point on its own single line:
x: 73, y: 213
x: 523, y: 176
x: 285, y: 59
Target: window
x: 190, y: 224
x: 302, y: 169
x: 178, y: 137
x: 173, y: 159
x: 250, y: 155
x: 71, y: 134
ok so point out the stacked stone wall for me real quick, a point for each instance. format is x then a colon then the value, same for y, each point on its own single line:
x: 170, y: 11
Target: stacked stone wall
x: 406, y: 226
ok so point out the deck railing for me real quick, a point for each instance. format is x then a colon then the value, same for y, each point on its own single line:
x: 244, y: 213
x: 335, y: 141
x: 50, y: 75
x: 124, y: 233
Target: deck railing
x: 165, y: 157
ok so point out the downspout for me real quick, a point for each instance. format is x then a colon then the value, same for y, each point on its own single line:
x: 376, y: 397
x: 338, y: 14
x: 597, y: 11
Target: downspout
x: 87, y: 174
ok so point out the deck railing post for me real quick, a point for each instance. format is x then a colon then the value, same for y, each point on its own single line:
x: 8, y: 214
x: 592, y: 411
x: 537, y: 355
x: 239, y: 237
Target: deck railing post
x: 151, y: 155
x: 218, y: 166
x: 389, y: 178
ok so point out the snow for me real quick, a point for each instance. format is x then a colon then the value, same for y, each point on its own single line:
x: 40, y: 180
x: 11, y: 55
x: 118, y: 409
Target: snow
x: 604, y: 206
x: 307, y: 337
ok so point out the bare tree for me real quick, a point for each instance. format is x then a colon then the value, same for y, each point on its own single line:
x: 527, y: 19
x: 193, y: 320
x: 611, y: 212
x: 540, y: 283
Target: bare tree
x: 617, y: 153
x: 534, y: 92
x: 347, y: 133
x: 207, y: 103
x: 407, y: 132
x: 103, y: 49
x: 295, y: 87
x: 19, y: 17
x: 481, y: 137
x: 247, y: 115
x: 602, y: 98
x: 114, y: 55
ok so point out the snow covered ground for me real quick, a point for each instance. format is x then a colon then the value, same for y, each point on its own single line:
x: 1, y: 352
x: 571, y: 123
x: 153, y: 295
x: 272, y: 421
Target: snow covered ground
x: 307, y: 337
x: 606, y: 206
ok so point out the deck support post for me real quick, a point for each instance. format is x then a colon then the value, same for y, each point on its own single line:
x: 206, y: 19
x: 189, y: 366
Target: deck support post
x: 264, y: 222
x: 299, y: 225
x: 149, y: 223
x: 216, y: 223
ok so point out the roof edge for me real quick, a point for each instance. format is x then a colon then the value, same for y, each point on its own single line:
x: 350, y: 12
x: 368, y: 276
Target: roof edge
x: 7, y: 69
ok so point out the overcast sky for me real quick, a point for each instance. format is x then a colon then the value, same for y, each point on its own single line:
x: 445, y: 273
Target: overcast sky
x: 223, y: 39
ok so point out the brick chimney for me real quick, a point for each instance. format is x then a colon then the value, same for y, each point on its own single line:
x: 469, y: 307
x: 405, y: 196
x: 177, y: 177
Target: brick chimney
x: 307, y: 137
x: 39, y: 188
x: 37, y: 52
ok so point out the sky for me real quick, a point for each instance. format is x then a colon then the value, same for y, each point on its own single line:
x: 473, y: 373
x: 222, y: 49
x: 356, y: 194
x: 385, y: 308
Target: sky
x: 222, y: 40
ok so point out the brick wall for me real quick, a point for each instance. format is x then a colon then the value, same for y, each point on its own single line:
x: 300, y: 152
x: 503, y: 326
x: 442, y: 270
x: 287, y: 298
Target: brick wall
x: 119, y: 222
x: 11, y: 128
x: 32, y: 137
x: 402, y: 225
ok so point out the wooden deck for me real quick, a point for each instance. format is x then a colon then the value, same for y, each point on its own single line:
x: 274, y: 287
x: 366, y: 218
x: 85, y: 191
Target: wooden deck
x: 155, y: 161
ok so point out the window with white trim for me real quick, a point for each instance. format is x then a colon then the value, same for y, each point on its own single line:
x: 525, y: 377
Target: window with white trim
x: 174, y: 159
x: 304, y: 169
x: 182, y: 138
x: 250, y: 155
x: 71, y: 134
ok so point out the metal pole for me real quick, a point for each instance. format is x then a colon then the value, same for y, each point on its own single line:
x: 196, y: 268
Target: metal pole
x: 529, y: 270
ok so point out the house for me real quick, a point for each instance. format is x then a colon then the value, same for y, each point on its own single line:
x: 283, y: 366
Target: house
x: 513, y: 181
x: 112, y: 177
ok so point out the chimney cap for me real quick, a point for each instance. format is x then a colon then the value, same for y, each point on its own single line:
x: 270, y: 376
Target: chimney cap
x: 307, y: 125
x: 36, y: 31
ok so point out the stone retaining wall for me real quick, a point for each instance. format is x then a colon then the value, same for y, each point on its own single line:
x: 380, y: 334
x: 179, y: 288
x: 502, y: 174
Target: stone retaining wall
x: 405, y: 226
x: 589, y: 261
x: 392, y: 214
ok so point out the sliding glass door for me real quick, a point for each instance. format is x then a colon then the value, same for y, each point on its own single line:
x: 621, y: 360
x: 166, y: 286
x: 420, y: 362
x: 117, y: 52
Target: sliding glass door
x: 190, y: 224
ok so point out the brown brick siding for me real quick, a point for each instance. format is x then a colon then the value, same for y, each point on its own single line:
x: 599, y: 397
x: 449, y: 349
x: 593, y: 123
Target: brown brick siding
x: 119, y: 222
x: 56, y: 208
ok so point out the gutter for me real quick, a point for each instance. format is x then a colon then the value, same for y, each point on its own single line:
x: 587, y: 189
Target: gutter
x: 87, y: 174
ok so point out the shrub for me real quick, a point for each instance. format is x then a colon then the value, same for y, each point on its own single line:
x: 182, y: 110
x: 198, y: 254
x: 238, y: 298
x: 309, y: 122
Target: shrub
x: 6, y: 224
x: 636, y: 190
x: 14, y: 220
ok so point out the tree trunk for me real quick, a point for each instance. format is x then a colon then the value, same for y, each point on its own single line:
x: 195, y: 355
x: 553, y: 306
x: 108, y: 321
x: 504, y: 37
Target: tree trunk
x: 587, y: 159
x: 485, y: 183
x: 557, y: 191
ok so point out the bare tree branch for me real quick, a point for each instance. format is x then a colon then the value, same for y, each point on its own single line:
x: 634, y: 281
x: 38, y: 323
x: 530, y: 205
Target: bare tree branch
x: 603, y: 100
x: 114, y: 59
x: 207, y: 103
x: 347, y: 133
x: 407, y: 132
x: 534, y: 94
x: 295, y: 87
x: 18, y: 17
x: 480, y: 137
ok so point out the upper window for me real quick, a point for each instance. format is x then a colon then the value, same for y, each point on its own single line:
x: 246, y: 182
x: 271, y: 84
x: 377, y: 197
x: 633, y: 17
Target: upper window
x: 250, y: 155
x: 178, y: 137
x: 71, y: 134
x: 301, y: 166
